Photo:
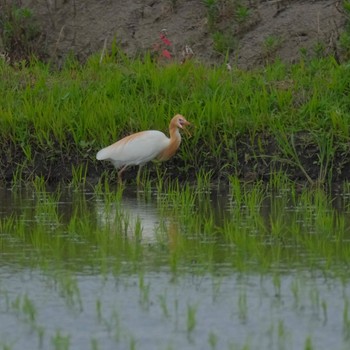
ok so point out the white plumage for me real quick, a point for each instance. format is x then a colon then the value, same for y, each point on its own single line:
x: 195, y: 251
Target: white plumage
x: 144, y: 146
x: 137, y: 150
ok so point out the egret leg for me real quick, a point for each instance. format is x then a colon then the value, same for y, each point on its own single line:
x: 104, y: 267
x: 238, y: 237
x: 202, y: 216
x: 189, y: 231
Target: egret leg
x: 120, y: 180
x: 138, y: 175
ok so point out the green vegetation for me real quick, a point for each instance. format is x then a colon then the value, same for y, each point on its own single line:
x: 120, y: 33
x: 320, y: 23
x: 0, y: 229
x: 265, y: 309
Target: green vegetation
x: 270, y: 45
x: 224, y: 42
x: 19, y: 32
x: 291, y: 118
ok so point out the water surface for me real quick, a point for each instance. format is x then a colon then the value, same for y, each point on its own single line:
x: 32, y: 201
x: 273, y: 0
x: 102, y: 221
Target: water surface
x: 156, y: 270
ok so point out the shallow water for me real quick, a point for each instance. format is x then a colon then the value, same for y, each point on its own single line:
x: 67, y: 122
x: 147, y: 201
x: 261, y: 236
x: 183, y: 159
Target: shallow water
x: 81, y: 270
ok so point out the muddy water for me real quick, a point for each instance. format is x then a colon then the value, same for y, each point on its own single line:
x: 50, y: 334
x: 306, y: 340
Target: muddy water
x: 82, y: 271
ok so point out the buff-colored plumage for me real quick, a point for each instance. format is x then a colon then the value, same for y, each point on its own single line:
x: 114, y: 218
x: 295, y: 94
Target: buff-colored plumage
x: 144, y: 146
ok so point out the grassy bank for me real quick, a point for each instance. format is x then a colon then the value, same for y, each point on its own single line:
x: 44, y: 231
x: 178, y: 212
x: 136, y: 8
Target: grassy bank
x: 247, y: 124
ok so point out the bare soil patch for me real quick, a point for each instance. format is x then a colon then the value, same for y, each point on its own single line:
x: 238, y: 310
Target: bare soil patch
x: 254, y: 32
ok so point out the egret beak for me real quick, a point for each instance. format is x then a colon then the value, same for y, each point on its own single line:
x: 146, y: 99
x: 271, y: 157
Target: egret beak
x: 186, y: 130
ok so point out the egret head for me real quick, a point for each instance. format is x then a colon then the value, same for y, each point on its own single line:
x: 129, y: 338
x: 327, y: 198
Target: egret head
x: 180, y: 121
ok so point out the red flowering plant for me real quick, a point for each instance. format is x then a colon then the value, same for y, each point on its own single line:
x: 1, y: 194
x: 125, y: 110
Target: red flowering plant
x: 162, y: 48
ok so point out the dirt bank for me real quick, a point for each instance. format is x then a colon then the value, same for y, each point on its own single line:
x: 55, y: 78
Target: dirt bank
x: 253, y: 32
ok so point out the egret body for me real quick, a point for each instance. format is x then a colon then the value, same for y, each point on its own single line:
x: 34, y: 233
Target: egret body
x: 144, y: 146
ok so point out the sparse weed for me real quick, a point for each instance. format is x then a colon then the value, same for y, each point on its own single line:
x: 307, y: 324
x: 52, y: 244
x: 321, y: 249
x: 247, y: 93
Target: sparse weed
x: 19, y: 32
x: 224, y: 43
x: 242, y: 13
x: 212, y: 7
x: 270, y: 46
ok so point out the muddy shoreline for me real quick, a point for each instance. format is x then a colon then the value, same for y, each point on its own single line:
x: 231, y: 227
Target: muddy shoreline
x: 250, y: 159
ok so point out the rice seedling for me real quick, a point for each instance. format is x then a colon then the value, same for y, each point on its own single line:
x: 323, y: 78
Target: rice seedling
x: 212, y: 340
x: 24, y: 305
x: 164, y: 306
x: 177, y: 196
x: 144, y: 292
x: 46, y: 210
x: 69, y: 289
x: 98, y: 310
x: 6, y: 346
x: 115, y: 325
x: 60, y: 341
x: 132, y: 343
x: 295, y: 288
x: 79, y: 175
x: 94, y: 344
x: 324, y: 312
x: 7, y: 224
x: 308, y: 344
x: 277, y: 285
x: 191, y: 318
x: 203, y: 181
x: 315, y: 300
x: 346, y: 320
x: 39, y: 184
x: 280, y: 181
x: 282, y: 333
x: 18, y: 175
x: 242, y: 306
x: 290, y: 153
x: 253, y: 196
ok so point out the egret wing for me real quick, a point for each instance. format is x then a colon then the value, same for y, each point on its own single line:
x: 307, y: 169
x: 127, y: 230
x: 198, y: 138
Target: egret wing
x: 135, y: 149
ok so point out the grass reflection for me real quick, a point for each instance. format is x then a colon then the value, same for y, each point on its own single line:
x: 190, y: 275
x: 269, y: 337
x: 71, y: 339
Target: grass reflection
x: 258, y: 255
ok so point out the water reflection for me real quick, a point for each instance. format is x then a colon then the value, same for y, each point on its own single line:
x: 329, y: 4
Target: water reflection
x: 228, y: 270
x: 248, y: 229
x: 140, y: 216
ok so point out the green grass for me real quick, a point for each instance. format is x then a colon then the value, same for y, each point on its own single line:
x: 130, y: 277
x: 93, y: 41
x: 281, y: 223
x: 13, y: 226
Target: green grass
x: 278, y: 117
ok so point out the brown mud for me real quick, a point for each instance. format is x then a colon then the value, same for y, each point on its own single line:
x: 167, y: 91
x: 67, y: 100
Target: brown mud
x: 250, y: 158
